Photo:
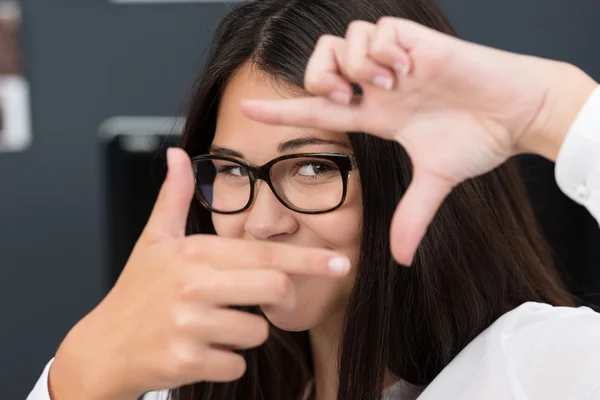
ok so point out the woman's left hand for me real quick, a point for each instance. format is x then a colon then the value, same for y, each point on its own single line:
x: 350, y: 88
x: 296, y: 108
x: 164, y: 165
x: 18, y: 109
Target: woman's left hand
x: 459, y: 109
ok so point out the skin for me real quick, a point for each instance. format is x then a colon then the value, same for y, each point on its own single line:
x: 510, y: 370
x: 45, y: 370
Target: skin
x: 320, y: 301
x: 167, y: 321
x: 417, y: 83
x: 173, y: 286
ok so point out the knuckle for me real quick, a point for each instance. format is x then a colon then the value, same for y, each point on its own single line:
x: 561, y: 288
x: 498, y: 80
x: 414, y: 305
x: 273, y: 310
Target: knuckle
x: 184, y: 360
x: 356, y: 26
x: 192, y: 288
x: 380, y: 46
x: 326, y: 41
x: 190, y: 249
x: 379, y: 49
x: 355, y: 67
x: 387, y: 21
x: 312, y: 82
x: 187, y: 292
x: 182, y: 320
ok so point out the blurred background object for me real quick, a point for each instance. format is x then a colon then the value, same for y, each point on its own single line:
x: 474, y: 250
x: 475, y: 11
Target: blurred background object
x: 108, y: 84
x: 11, y: 61
x: 15, y: 119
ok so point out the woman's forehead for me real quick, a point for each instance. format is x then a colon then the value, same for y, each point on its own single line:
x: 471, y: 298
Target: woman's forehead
x: 234, y: 130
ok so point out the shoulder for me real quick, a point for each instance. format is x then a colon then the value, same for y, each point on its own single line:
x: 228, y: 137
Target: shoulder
x: 546, y: 332
x: 532, y: 352
x: 538, y: 317
x: 552, y: 350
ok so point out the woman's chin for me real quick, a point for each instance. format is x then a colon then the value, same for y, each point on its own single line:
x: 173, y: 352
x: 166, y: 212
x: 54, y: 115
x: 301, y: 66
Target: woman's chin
x: 291, y: 321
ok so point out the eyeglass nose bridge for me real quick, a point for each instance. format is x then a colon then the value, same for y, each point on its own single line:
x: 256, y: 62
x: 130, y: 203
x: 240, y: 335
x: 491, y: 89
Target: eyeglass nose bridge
x: 263, y: 173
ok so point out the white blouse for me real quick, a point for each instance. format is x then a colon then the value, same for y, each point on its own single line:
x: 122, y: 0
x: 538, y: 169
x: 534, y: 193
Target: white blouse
x: 536, y: 351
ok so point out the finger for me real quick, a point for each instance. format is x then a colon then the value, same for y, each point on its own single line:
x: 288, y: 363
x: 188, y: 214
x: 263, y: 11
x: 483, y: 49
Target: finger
x: 250, y: 287
x: 221, y: 365
x: 309, y: 112
x: 411, y: 35
x: 228, y: 253
x: 168, y: 219
x: 385, y: 46
x: 233, y: 329
x: 415, y: 212
x: 324, y: 75
x: 358, y: 66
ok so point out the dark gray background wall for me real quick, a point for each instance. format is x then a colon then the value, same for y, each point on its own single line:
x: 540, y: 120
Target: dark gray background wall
x: 89, y: 60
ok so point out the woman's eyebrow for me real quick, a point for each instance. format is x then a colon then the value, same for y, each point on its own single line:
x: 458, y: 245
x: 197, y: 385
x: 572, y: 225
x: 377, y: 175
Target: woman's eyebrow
x: 284, y: 147
x: 224, y: 151
x: 295, y: 144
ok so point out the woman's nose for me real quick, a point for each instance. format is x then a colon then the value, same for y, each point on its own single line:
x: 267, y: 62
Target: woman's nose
x: 269, y: 218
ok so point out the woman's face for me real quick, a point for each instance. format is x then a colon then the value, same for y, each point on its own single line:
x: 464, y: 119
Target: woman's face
x: 319, y: 299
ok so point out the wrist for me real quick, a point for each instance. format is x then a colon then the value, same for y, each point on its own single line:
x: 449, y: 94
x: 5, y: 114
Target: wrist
x: 69, y: 384
x: 568, y: 90
x: 77, y: 373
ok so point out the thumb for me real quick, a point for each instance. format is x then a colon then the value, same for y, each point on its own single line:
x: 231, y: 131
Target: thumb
x: 169, y: 217
x: 414, y: 213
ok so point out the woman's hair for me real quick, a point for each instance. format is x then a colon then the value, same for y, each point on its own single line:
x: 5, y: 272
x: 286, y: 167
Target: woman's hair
x: 481, y: 257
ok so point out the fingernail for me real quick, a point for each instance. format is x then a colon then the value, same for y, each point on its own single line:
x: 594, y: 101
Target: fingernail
x: 402, y: 67
x: 383, y: 82
x: 340, y: 98
x: 339, y: 265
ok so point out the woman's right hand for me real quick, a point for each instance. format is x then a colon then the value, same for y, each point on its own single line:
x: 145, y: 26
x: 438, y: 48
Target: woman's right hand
x: 166, y: 322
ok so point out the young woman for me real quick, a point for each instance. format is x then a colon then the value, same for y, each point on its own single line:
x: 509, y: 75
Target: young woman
x: 189, y: 312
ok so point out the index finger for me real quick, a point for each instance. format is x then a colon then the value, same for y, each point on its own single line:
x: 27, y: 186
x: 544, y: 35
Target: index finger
x: 229, y: 253
x: 306, y: 112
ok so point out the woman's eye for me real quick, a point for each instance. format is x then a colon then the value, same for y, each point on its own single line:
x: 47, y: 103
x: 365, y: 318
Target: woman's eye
x: 313, y: 168
x: 232, y: 170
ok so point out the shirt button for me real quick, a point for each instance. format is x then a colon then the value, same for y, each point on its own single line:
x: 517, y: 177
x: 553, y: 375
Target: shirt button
x: 582, y: 192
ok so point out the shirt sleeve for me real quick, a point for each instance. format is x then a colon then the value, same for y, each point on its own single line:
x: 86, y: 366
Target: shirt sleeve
x: 40, y: 390
x: 577, y: 168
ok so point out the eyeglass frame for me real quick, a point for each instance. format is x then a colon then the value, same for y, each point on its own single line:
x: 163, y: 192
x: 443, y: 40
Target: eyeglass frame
x: 345, y: 163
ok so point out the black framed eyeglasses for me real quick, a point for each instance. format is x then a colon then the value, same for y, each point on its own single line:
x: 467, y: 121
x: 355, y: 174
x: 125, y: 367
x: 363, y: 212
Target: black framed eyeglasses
x: 308, y: 183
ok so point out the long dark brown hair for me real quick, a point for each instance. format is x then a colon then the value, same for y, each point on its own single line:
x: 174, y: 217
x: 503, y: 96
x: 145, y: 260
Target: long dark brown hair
x: 482, y: 255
